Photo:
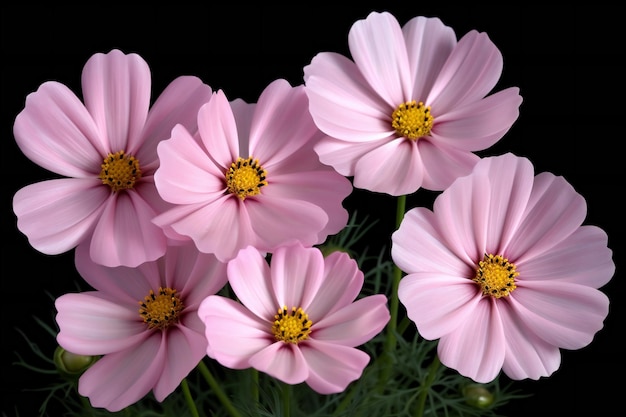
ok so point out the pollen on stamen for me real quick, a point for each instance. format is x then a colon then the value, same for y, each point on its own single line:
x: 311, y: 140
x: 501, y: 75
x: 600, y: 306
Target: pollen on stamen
x: 245, y: 177
x: 412, y: 120
x: 120, y: 171
x: 291, y: 326
x: 161, y: 310
x: 496, y: 276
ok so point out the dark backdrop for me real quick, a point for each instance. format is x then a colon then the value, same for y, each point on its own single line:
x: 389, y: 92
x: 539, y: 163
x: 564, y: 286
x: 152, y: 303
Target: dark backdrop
x: 566, y: 61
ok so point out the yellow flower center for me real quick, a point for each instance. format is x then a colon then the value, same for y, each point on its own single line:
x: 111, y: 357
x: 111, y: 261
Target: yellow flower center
x: 245, y: 177
x: 291, y: 326
x: 496, y: 276
x: 120, y: 171
x: 161, y: 310
x: 412, y: 120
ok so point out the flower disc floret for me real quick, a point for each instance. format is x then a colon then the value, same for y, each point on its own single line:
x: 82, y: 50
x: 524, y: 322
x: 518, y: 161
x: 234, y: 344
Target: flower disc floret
x: 120, y: 171
x: 291, y: 326
x: 496, y: 276
x: 245, y: 177
x: 412, y: 120
x: 161, y: 310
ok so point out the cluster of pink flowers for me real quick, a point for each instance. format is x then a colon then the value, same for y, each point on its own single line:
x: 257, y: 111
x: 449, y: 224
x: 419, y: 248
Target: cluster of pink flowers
x: 166, y: 204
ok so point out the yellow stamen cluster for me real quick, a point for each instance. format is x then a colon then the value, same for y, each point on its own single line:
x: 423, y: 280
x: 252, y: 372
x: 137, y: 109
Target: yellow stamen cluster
x: 496, y: 276
x: 412, y: 120
x: 120, y: 171
x: 245, y: 177
x: 161, y: 310
x: 291, y: 326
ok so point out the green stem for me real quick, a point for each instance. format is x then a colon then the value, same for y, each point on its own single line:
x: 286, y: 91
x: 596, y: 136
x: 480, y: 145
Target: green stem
x: 254, y: 385
x: 187, y: 394
x: 432, y: 372
x: 218, y: 390
x: 390, y: 341
x: 286, y: 399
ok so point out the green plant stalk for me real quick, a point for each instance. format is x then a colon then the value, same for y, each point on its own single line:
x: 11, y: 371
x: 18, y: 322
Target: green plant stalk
x: 432, y: 372
x: 286, y: 391
x: 228, y: 405
x: 390, y: 342
x: 187, y: 394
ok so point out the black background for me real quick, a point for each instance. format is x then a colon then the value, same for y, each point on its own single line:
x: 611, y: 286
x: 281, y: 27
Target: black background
x: 567, y: 62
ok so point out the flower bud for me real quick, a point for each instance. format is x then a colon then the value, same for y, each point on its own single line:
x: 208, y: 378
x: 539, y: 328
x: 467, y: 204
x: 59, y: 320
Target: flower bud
x: 71, y: 364
x: 477, y: 396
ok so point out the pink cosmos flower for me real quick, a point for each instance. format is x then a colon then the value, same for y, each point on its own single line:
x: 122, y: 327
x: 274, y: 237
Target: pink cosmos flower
x: 411, y: 108
x: 251, y: 177
x: 143, y: 320
x: 502, y: 272
x: 298, y: 320
x: 106, y: 150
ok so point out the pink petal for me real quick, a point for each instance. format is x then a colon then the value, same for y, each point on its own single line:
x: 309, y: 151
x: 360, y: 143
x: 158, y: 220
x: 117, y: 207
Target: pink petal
x: 296, y: 274
x: 118, y: 380
x: 582, y: 258
x: 438, y: 304
x: 250, y: 277
x: 218, y: 131
x: 344, y: 105
x: 563, y: 314
x: 393, y: 168
x: 555, y: 210
x: 178, y: 104
x: 377, y: 46
x: 341, y: 284
x: 116, y: 90
x: 343, y: 156
x: 125, y: 234
x: 74, y: 204
x: 443, y: 164
x: 56, y: 132
x: 244, y: 113
x: 471, y: 71
x: 183, y: 350
x: 354, y: 324
x: 283, y: 361
x: 332, y: 367
x: 187, y: 175
x: 476, y: 349
x: 233, y: 333
x: 428, y: 44
x: 480, y: 124
x: 527, y: 356
x: 429, y: 252
x: 92, y: 325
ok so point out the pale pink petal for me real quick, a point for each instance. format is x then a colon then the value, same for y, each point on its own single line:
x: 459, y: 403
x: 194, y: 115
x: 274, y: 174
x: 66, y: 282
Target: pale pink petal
x: 233, y: 333
x: 332, y: 367
x: 582, y: 258
x: 341, y: 284
x: 428, y: 44
x: 250, y: 277
x: 92, y: 325
x: 74, y: 204
x: 394, y: 168
x: 429, y: 253
x: 277, y: 220
x: 378, y: 49
x: 343, y: 156
x: 527, y: 356
x: 123, y: 284
x: 56, y: 132
x: 438, y: 304
x: 118, y: 380
x: 296, y: 274
x: 183, y: 349
x: 479, y: 124
x: 554, y: 211
x: 327, y: 189
x: 476, y: 349
x: 218, y: 131
x: 125, y: 234
x: 177, y: 104
x: 283, y: 361
x: 187, y: 175
x: 243, y: 112
x: 116, y: 90
x: 471, y: 71
x: 344, y: 106
x: 443, y: 164
x: 563, y: 314
x: 354, y: 324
